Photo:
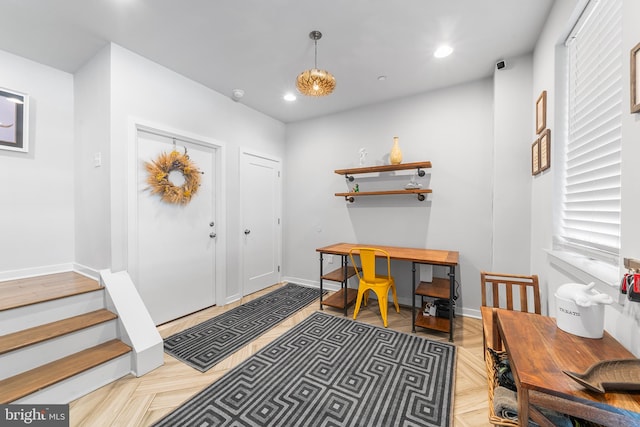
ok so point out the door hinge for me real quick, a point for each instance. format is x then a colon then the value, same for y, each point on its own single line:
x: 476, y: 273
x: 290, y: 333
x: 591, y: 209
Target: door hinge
x: 278, y: 174
x: 278, y: 221
x: 278, y: 269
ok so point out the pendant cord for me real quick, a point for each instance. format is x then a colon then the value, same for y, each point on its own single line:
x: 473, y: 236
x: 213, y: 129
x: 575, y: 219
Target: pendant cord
x: 316, y: 55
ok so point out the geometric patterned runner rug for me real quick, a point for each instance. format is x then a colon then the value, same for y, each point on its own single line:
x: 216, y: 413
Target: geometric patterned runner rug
x: 203, y: 345
x: 331, y: 371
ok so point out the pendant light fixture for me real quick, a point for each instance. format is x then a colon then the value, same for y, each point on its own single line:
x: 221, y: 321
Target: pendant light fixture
x: 315, y: 82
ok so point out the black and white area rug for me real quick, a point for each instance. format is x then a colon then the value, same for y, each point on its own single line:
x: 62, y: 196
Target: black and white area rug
x: 331, y: 371
x: 205, y: 344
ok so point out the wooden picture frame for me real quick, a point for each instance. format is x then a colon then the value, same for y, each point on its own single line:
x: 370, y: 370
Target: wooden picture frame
x: 545, y: 150
x: 14, y: 121
x: 635, y: 79
x: 535, y: 157
x: 541, y: 112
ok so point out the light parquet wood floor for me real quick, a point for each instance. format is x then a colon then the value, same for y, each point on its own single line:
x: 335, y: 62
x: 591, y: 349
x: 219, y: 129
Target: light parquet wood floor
x: 142, y: 401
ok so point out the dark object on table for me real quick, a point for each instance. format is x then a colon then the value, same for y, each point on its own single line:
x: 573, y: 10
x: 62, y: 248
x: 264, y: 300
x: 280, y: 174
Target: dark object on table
x: 610, y: 375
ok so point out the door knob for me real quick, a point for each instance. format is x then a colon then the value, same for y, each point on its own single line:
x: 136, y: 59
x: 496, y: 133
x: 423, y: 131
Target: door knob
x: 247, y: 231
x: 211, y: 224
x: 212, y: 235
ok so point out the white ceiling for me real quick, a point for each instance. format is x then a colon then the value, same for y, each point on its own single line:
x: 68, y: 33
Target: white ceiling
x: 260, y: 46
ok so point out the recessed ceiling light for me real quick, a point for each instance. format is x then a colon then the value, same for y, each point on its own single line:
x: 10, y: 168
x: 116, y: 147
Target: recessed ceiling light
x: 289, y: 97
x: 382, y: 78
x: 443, y: 51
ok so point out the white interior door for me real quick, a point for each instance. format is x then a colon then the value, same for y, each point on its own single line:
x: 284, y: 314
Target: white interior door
x: 176, y: 243
x: 261, y: 222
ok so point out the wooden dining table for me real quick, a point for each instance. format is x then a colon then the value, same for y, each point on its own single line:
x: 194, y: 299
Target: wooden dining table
x: 539, y: 352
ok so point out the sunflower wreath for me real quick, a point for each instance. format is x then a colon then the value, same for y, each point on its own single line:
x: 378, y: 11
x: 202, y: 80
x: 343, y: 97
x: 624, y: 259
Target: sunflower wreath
x: 158, y: 178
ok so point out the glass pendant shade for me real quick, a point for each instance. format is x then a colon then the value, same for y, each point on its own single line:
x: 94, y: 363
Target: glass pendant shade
x: 315, y: 82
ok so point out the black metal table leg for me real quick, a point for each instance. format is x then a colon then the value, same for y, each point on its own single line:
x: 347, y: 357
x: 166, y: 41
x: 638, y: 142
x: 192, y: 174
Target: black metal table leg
x: 344, y: 283
x: 452, y: 289
x: 321, y: 274
x: 413, y: 297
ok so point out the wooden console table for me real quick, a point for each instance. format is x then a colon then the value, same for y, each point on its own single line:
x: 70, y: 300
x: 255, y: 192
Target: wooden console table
x: 439, y: 288
x: 539, y: 351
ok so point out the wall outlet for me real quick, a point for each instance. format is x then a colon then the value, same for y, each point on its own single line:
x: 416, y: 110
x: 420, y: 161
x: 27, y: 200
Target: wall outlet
x: 330, y: 259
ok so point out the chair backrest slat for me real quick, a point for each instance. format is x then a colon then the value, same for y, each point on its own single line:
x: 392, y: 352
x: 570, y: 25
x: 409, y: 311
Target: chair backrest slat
x: 368, y: 263
x: 503, y: 288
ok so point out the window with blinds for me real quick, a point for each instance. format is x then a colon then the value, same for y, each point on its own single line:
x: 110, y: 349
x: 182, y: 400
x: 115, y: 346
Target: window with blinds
x: 590, y: 219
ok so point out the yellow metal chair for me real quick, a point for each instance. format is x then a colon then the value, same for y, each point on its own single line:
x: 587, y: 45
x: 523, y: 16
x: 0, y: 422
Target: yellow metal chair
x: 369, y: 281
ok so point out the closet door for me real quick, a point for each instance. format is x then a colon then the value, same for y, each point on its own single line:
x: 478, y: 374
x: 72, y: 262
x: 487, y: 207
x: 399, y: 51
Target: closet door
x: 260, y: 186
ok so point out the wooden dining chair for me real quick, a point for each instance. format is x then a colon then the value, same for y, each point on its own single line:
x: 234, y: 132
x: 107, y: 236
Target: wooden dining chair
x: 506, y: 291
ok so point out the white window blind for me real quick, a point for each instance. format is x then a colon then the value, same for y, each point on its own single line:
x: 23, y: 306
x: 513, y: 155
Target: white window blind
x: 591, y: 196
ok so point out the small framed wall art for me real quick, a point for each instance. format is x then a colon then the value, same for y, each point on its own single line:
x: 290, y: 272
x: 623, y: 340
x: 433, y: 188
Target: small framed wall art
x: 535, y: 157
x: 635, y: 79
x: 545, y: 150
x: 541, y: 112
x: 14, y: 120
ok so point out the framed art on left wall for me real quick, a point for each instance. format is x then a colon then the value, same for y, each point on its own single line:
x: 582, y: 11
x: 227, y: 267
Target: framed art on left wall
x: 14, y: 120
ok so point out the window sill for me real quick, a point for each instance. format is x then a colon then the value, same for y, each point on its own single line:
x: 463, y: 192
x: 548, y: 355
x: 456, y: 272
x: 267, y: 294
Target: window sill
x: 587, y: 270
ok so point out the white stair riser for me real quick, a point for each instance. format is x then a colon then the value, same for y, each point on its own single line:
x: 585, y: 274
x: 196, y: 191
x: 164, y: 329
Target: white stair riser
x: 73, y: 388
x: 21, y: 318
x: 31, y: 357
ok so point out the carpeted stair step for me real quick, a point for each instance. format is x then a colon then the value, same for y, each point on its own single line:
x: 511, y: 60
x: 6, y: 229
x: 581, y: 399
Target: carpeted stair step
x: 27, y: 337
x: 23, y: 384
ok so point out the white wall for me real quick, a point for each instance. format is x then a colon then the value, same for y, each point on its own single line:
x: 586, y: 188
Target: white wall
x: 623, y: 326
x: 619, y: 319
x: 143, y: 90
x: 512, y: 167
x: 92, y: 135
x: 37, y: 190
x: 544, y: 78
x: 65, y: 212
x: 452, y: 128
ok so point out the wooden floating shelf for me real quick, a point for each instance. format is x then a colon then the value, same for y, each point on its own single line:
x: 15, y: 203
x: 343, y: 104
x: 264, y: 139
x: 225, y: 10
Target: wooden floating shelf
x: 352, y: 195
x: 385, y: 192
x: 384, y: 168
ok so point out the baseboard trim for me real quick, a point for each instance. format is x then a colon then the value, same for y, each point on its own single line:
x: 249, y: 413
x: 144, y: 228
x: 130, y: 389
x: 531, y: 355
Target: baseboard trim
x: 89, y: 272
x: 35, y: 271
x: 49, y: 269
